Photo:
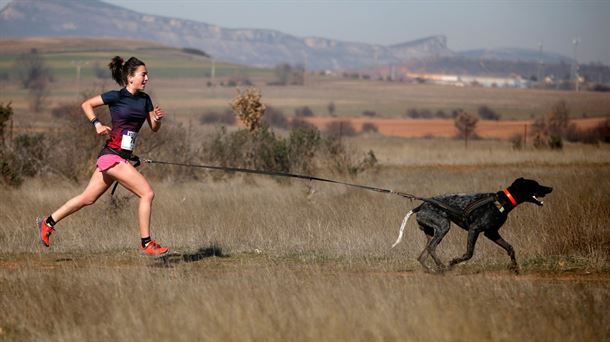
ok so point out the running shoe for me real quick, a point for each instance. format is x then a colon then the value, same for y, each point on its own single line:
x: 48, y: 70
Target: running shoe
x: 153, y: 249
x: 44, y: 229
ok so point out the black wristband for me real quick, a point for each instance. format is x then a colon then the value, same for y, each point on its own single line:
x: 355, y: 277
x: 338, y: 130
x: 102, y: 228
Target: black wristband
x: 94, y: 121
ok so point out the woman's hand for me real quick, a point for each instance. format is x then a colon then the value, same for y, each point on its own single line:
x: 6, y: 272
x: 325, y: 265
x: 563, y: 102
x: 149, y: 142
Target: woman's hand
x: 102, y: 129
x: 158, y: 114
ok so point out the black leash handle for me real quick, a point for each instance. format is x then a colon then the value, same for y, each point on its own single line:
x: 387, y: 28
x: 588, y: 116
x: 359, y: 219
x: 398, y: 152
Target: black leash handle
x: 282, y: 174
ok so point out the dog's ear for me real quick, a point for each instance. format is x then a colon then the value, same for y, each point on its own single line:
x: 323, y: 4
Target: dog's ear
x: 518, y: 180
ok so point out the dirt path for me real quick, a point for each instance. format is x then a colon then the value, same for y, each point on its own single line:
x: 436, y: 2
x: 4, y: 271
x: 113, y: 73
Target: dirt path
x: 208, y: 262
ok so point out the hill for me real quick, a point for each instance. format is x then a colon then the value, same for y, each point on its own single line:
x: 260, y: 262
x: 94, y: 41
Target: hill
x: 65, y: 18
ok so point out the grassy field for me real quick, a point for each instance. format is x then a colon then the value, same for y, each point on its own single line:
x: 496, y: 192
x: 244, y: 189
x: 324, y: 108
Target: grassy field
x: 254, y: 259
x: 179, y: 83
x: 259, y: 260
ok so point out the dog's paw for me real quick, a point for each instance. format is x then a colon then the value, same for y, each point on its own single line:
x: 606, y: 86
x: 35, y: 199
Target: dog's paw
x: 515, y: 269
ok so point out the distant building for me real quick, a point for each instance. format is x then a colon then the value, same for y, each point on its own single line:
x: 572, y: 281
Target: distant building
x: 514, y: 81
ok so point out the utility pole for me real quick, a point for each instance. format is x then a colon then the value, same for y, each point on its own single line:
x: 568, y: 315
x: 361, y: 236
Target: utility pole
x: 213, y: 72
x: 574, y: 73
x: 540, y: 64
x: 78, y: 65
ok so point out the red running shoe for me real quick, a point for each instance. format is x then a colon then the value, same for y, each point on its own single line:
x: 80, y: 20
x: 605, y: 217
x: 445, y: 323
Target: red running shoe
x: 45, y: 230
x: 153, y: 249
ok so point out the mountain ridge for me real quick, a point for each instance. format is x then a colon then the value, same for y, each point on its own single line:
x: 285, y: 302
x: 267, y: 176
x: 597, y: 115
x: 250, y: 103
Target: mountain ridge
x: 256, y: 47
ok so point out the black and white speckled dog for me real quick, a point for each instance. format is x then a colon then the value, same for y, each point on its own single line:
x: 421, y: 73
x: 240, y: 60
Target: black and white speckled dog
x: 477, y: 213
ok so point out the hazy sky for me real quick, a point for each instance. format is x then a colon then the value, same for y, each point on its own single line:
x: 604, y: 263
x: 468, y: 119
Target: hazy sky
x: 467, y: 24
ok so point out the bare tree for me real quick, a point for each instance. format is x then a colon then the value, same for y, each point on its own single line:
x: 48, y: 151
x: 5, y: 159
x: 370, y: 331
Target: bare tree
x: 466, y: 124
x: 35, y: 76
x: 6, y: 113
x: 30, y: 68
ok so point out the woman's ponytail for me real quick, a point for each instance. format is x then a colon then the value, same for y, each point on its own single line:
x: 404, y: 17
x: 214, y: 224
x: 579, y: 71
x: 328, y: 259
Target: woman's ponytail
x: 116, y: 68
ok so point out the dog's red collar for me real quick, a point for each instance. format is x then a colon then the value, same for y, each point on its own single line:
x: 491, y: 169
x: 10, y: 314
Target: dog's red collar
x: 510, y: 197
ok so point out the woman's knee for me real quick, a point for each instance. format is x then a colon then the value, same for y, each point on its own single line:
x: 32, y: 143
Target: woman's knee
x: 85, y: 200
x: 148, y: 195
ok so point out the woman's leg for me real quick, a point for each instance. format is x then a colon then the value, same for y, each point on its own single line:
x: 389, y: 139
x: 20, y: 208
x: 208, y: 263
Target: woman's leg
x: 98, y: 184
x: 135, y: 182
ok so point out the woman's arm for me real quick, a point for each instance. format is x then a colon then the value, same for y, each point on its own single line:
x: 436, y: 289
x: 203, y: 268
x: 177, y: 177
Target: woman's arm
x: 87, y: 107
x: 155, y: 117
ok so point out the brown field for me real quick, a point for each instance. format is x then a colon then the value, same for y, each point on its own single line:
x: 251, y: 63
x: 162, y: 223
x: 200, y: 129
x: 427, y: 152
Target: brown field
x: 255, y: 259
x: 444, y: 128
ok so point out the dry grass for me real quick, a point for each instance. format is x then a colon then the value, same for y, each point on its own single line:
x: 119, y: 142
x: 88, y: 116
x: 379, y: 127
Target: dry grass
x: 305, y: 262
x: 297, y: 266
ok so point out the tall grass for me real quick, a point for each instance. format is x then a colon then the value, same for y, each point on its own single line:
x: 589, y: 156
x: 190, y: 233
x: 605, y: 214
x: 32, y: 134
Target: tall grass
x: 311, y: 261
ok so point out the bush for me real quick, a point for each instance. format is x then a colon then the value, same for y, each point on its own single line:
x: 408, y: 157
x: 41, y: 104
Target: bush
x: 275, y: 118
x: 300, y: 123
x: 6, y: 114
x: 340, y: 129
x: 303, y: 112
x: 212, y: 117
x: 517, y: 141
x: 369, y: 127
x: 369, y: 113
x: 487, y: 113
x: 555, y: 142
x: 303, y: 151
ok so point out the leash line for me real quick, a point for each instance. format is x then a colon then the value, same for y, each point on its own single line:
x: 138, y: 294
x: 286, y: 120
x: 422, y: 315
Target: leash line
x: 282, y: 174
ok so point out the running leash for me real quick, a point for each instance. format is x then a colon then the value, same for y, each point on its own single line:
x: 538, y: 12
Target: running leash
x: 290, y: 175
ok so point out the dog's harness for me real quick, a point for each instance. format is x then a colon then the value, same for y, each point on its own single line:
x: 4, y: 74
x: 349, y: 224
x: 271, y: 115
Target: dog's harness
x: 463, y: 216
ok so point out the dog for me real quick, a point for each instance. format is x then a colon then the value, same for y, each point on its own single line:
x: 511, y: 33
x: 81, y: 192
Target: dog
x: 477, y: 213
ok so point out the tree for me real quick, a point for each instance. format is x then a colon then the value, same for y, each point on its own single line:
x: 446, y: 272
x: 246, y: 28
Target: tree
x: 331, y: 108
x: 558, y: 119
x: 287, y: 74
x: 6, y: 112
x: 31, y: 68
x: 487, y: 113
x: 35, y: 76
x: 466, y: 125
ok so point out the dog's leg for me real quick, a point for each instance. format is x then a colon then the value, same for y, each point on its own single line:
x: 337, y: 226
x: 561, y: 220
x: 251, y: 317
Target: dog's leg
x: 473, y: 234
x: 424, y: 254
x: 498, y: 240
x: 439, y: 234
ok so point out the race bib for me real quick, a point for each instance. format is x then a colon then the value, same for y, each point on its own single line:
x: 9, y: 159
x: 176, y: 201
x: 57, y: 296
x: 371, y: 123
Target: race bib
x: 129, y: 140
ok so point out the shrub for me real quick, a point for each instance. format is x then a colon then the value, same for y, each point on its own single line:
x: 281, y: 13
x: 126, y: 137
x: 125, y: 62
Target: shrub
x: 487, y: 113
x: 300, y: 123
x: 555, y: 142
x: 331, y: 108
x: 369, y: 127
x: 340, y: 129
x: 249, y: 108
x: 303, y: 151
x: 6, y: 114
x: 303, y: 112
x: 517, y: 141
x: 369, y: 113
x: 275, y: 118
x: 212, y: 117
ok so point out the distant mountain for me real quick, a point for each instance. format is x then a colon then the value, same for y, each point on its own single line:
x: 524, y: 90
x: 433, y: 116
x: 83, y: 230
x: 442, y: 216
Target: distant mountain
x: 265, y: 48
x: 516, y: 54
x: 69, y: 18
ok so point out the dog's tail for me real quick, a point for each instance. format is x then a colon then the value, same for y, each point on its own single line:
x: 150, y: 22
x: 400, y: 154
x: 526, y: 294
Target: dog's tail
x: 403, y: 225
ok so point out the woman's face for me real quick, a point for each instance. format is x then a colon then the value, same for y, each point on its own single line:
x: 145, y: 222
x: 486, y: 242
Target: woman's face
x: 138, y: 80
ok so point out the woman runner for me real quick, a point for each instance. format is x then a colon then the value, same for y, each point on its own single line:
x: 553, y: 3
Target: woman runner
x: 129, y: 108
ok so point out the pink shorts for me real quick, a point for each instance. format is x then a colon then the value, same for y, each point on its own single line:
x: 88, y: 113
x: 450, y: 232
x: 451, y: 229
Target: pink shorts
x: 107, y: 161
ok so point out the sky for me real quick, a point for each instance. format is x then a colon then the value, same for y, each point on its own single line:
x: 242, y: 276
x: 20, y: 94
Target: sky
x: 473, y: 24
